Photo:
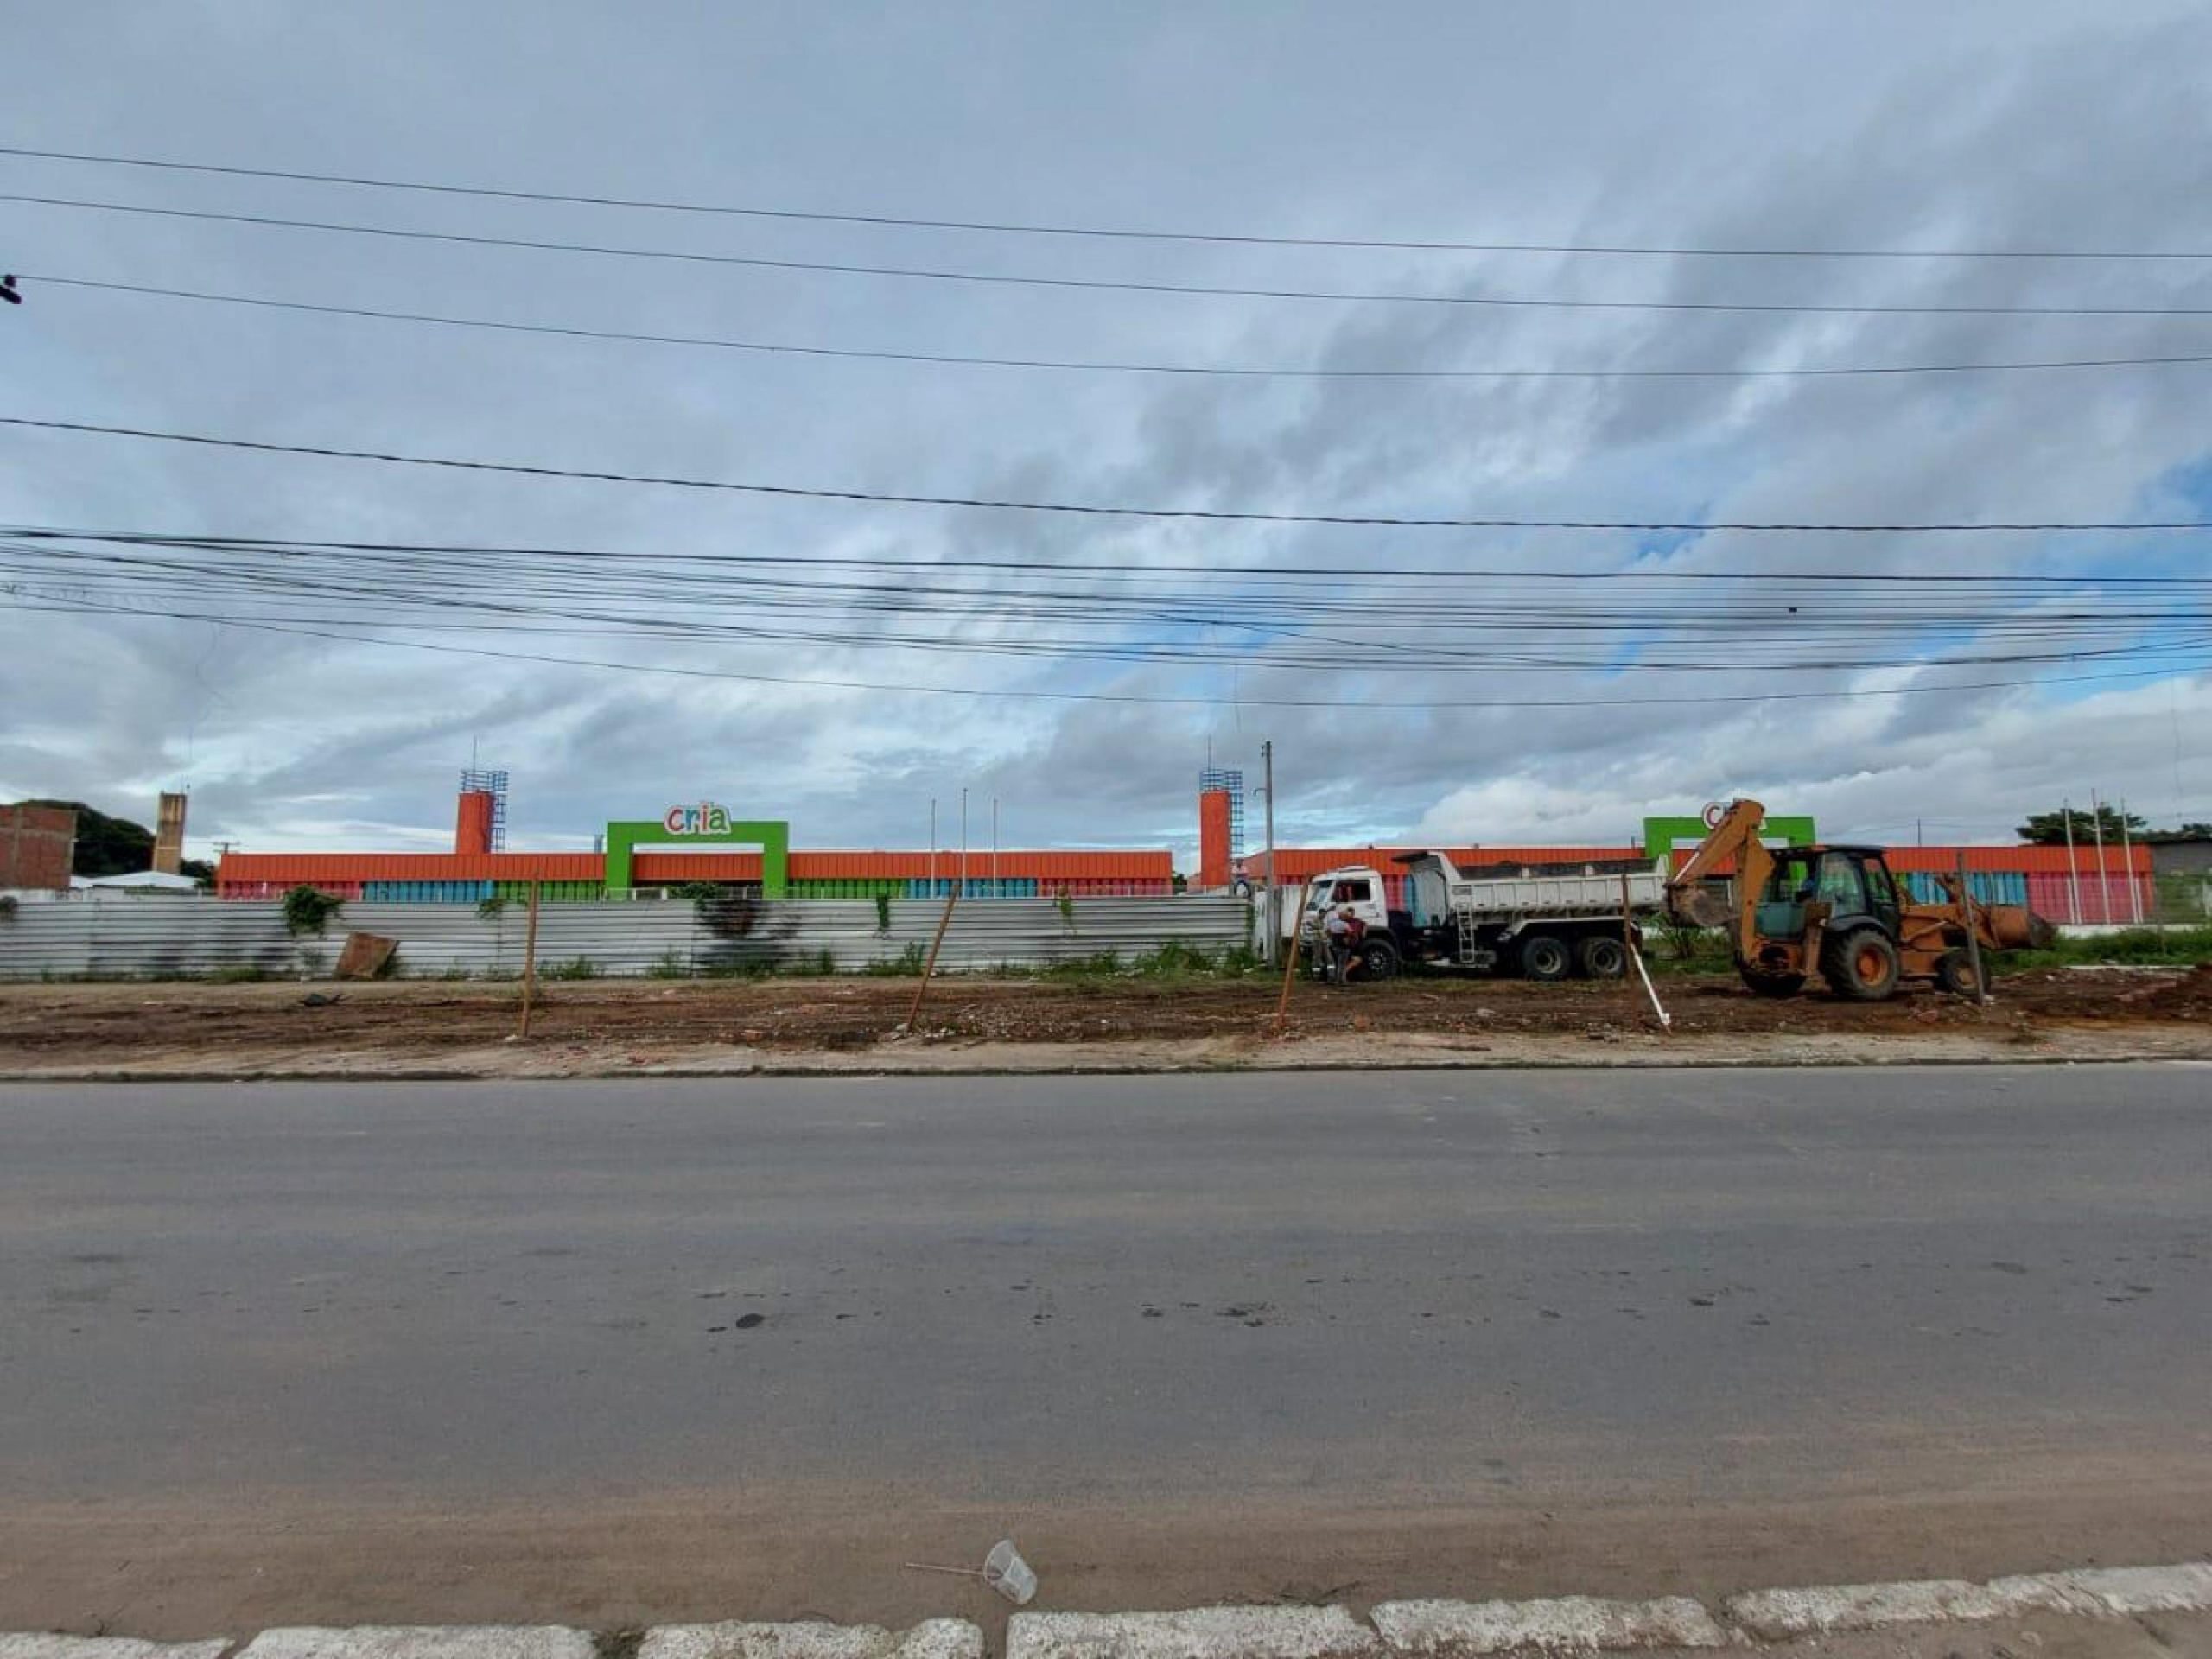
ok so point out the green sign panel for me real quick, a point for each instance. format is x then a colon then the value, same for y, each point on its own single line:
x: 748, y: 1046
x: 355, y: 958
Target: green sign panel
x: 1664, y: 835
x: 702, y: 825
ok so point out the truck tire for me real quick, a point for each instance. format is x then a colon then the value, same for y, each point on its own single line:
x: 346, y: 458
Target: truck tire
x: 1861, y: 966
x: 1378, y: 960
x: 1600, y: 955
x: 1544, y: 959
x: 1954, y: 973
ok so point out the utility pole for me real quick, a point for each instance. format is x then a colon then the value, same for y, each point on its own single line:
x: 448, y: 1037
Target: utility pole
x: 2127, y: 866
x: 933, y: 843
x: 2073, y: 871
x: 997, y: 891
x: 2104, y: 875
x: 963, y: 841
x: 1267, y: 865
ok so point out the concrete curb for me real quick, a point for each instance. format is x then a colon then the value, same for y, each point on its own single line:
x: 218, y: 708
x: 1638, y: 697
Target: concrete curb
x: 421, y: 1642
x: 1199, y: 1633
x: 1444, y: 1629
x: 1400, y: 1629
x: 935, y: 1638
x: 105, y: 1647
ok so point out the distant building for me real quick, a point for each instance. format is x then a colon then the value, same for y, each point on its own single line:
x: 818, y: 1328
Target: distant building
x: 38, y: 845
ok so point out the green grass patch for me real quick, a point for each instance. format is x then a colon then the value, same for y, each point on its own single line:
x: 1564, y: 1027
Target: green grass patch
x: 2136, y: 946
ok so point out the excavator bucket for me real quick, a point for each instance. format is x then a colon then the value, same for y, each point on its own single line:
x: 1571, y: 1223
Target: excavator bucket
x: 1698, y: 908
x: 2015, y: 927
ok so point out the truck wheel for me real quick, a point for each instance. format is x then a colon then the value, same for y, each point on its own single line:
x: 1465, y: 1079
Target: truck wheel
x: 1954, y: 973
x: 1378, y: 959
x: 1861, y: 966
x: 1600, y: 957
x: 1544, y: 959
x: 1773, y: 985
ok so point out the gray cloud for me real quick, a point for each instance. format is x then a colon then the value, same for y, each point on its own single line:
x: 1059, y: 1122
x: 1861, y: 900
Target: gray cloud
x: 1993, y: 124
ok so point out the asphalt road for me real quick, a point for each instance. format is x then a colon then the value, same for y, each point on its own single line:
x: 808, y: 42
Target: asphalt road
x: 605, y: 1351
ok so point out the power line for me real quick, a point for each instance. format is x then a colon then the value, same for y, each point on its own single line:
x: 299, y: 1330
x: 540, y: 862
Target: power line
x: 1123, y: 568
x: 1016, y: 228
x: 945, y: 274
x: 670, y: 596
x: 883, y: 497
x: 1093, y: 696
x: 780, y: 349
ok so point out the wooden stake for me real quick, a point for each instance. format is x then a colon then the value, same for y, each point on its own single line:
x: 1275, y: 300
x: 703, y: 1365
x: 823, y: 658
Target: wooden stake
x: 1973, y: 934
x: 1627, y: 942
x: 1289, y: 967
x: 930, y: 967
x: 529, y: 959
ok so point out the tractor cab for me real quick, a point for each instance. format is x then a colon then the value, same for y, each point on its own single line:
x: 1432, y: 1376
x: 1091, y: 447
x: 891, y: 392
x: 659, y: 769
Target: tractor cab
x: 1851, y: 886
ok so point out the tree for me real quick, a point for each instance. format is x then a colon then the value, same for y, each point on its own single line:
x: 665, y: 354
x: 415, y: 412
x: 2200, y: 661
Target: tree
x: 2049, y: 828
x: 106, y: 846
x: 2187, y: 832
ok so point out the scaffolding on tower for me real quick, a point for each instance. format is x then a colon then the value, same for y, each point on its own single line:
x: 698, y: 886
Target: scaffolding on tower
x: 475, y: 780
x: 1230, y: 781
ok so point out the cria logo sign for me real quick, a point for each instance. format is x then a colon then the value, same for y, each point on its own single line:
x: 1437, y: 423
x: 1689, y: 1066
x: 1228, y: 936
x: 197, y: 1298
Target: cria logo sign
x: 704, y: 819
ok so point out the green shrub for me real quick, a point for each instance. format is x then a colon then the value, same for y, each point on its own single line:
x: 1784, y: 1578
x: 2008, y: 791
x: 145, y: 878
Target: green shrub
x: 575, y: 967
x: 1106, y: 964
x: 2149, y: 946
x: 1174, y: 960
x: 669, y: 965
x: 883, y: 912
x: 307, y: 910
x: 235, y: 973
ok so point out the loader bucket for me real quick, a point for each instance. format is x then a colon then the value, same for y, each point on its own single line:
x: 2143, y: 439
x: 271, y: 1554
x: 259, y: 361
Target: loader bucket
x: 1698, y: 908
x: 2015, y: 927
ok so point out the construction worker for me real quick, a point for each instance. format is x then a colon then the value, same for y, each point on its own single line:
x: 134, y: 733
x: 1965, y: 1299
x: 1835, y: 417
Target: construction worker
x: 1343, y: 929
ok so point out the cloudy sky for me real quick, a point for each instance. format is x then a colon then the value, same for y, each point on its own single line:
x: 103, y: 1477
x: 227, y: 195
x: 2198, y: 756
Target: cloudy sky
x: 2014, y: 126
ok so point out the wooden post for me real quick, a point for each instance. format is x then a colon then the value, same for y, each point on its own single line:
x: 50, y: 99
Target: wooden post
x: 529, y: 959
x: 1628, y: 943
x: 1973, y: 934
x: 1289, y: 967
x: 929, y: 968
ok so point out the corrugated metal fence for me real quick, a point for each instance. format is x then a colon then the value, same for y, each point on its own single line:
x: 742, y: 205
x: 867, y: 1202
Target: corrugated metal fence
x: 123, y: 936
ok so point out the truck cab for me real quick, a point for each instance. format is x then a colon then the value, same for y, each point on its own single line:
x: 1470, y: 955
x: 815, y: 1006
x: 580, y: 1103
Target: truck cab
x: 1360, y: 887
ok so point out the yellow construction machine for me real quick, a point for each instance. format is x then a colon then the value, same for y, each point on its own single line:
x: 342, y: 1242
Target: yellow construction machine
x: 1837, y: 910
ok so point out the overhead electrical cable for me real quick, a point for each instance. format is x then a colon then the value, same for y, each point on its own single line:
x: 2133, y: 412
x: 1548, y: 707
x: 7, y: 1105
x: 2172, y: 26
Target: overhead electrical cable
x: 1095, y: 510
x: 947, y: 274
x: 1494, y: 625
x: 1092, y: 365
x: 1117, y: 567
x: 1120, y: 233
x: 1034, y: 693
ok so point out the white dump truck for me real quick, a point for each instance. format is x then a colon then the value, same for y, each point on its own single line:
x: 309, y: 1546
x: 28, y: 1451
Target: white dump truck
x: 1538, y: 924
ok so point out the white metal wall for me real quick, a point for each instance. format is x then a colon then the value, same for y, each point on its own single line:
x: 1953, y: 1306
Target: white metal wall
x: 125, y: 937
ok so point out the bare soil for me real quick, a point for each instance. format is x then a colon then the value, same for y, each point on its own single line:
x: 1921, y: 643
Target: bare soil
x: 595, y: 1028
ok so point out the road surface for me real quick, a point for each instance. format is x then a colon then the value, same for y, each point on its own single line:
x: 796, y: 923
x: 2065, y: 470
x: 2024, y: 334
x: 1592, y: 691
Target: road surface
x: 606, y: 1353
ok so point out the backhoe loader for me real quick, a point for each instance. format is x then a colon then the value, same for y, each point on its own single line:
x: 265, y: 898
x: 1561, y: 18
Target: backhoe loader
x: 1836, y: 910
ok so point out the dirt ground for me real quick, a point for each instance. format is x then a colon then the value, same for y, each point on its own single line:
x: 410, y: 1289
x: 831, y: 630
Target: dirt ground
x: 603, y: 1027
